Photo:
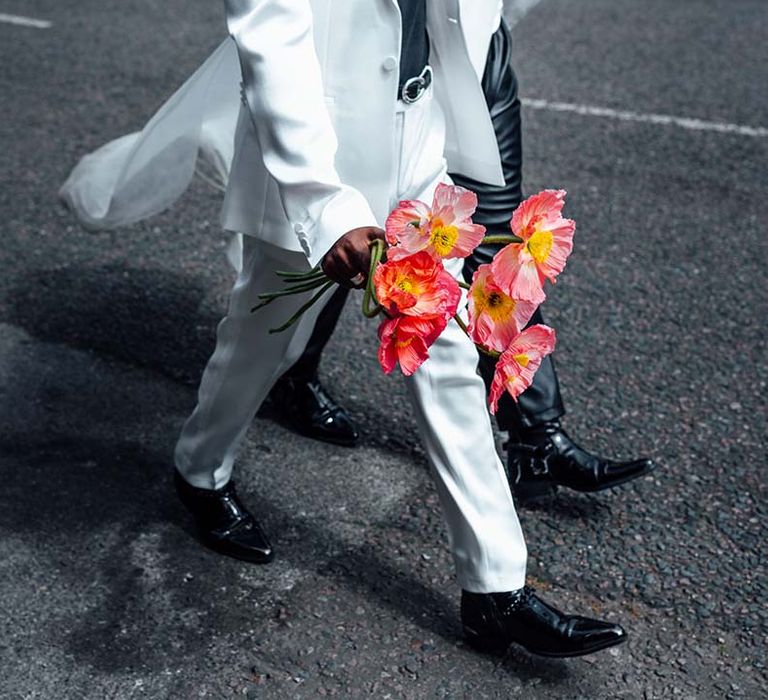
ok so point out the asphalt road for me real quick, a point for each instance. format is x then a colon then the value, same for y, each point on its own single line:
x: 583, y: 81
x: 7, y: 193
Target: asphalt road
x: 661, y: 313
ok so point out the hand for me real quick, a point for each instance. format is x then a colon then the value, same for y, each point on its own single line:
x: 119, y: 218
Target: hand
x: 349, y: 260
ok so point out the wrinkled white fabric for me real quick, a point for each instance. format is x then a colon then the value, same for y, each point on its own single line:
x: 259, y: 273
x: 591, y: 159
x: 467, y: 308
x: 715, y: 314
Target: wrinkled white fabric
x: 143, y: 173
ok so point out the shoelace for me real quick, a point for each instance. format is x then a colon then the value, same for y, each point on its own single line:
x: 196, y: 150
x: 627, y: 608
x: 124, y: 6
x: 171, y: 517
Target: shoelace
x: 522, y: 596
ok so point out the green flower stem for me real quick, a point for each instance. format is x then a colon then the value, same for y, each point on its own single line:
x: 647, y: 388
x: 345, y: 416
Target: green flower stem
x: 303, y: 280
x: 368, y: 311
x: 491, y: 353
x: 269, y: 297
x: 463, y: 285
x: 298, y: 276
x: 370, y: 292
x: 461, y: 323
x: 262, y: 304
x: 503, y: 238
x: 307, y: 273
x: 299, y: 313
x: 295, y: 287
x: 481, y: 348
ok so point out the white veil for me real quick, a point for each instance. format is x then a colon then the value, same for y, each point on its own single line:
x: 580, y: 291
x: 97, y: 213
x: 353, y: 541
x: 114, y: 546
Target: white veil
x: 142, y: 173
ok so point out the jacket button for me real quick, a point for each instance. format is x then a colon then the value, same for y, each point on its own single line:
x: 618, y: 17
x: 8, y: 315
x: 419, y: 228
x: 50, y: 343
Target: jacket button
x: 389, y: 64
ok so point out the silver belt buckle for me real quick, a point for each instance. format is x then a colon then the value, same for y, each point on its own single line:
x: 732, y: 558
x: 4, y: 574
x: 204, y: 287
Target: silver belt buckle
x: 414, y: 88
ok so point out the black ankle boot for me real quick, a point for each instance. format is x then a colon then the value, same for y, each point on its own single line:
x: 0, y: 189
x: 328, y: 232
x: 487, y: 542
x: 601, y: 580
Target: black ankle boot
x: 311, y: 411
x: 546, y: 458
x: 494, y: 621
x: 223, y: 522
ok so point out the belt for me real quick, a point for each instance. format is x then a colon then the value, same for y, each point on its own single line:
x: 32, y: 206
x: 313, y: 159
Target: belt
x: 413, y: 89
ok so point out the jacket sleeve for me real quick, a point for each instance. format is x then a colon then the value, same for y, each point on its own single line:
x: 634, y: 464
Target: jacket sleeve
x: 283, y: 87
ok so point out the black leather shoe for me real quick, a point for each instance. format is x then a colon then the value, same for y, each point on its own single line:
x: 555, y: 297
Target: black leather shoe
x: 223, y: 522
x: 535, y: 471
x: 311, y: 411
x: 494, y: 621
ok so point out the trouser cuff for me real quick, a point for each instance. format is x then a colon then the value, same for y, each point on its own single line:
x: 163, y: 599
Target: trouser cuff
x: 494, y: 584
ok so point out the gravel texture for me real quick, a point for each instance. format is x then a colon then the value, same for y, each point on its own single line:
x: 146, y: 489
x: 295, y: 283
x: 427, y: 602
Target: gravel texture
x: 104, y: 593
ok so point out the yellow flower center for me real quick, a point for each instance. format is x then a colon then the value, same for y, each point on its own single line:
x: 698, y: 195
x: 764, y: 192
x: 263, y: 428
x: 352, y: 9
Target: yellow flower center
x: 495, y: 299
x: 403, y: 343
x: 539, y: 245
x: 496, y: 304
x: 522, y: 359
x: 405, y: 285
x: 443, y: 238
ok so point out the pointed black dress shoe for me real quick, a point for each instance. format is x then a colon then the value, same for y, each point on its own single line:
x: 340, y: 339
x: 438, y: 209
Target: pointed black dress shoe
x: 311, y: 411
x: 536, y: 470
x: 223, y: 522
x: 494, y: 621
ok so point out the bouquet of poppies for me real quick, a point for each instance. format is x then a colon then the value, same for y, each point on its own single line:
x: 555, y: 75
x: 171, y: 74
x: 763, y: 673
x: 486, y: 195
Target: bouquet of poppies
x: 417, y: 297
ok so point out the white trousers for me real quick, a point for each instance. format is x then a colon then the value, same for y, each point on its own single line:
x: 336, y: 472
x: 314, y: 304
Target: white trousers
x: 447, y: 395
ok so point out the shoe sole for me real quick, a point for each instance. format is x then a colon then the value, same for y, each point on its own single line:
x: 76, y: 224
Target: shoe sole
x: 500, y: 648
x: 570, y: 655
x: 529, y: 494
x: 286, y: 420
x: 526, y: 494
x: 252, y: 559
x: 331, y: 441
x: 614, y: 484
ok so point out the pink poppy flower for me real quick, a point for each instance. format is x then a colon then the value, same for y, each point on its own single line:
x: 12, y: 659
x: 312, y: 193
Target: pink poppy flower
x: 416, y: 285
x: 495, y: 318
x: 519, y: 362
x: 406, y: 225
x: 445, y: 230
x: 406, y: 339
x: 521, y: 268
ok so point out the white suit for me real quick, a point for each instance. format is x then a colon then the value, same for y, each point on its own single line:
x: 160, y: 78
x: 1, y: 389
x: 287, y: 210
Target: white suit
x: 320, y: 74
x: 322, y: 146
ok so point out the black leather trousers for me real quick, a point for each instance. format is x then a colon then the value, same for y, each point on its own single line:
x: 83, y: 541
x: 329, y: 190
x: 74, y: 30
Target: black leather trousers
x: 541, y: 401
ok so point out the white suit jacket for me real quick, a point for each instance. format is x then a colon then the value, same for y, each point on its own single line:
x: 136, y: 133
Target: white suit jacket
x: 312, y: 154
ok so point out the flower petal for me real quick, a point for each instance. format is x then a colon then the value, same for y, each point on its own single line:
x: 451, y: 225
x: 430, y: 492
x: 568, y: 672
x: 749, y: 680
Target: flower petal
x: 387, y: 355
x: 544, y: 205
x: 495, y: 319
x: 470, y: 236
x: 562, y: 245
x: 406, y: 225
x: 412, y: 355
x: 405, y: 340
x: 506, y: 265
x: 416, y: 285
x: 517, y: 365
x: 452, y: 203
x: 516, y: 274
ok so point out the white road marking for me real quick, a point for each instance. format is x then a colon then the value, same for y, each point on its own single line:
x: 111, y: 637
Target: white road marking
x: 515, y: 10
x: 663, y: 119
x: 25, y: 21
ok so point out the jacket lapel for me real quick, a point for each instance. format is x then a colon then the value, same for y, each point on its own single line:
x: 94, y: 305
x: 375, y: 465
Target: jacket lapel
x: 471, y: 147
